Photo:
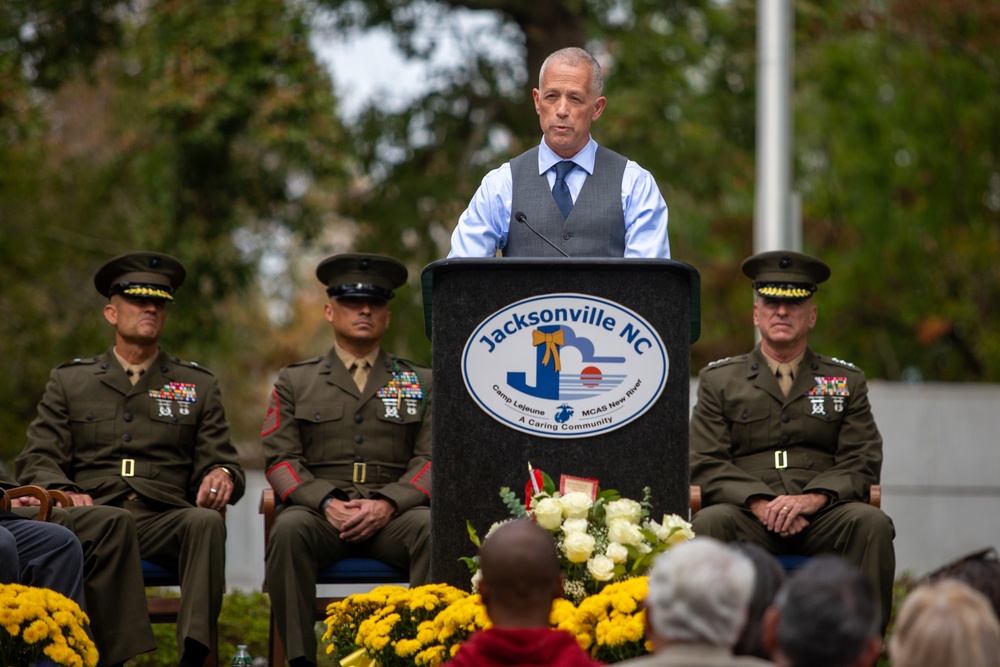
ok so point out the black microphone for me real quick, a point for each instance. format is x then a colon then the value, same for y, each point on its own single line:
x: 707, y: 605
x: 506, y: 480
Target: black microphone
x: 523, y: 219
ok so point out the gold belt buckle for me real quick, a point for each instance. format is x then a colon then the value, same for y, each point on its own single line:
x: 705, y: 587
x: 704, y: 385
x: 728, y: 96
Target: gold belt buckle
x: 781, y: 459
x: 128, y: 467
x: 360, y: 473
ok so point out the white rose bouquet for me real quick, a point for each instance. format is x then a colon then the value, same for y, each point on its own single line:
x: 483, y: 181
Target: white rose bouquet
x: 600, y: 541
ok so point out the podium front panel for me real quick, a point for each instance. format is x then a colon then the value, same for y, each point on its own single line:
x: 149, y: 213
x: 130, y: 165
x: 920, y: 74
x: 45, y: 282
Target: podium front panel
x: 475, y: 452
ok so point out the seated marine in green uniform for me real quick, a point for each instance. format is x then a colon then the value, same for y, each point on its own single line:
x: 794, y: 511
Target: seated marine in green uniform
x: 347, y: 445
x: 138, y: 429
x: 783, y: 441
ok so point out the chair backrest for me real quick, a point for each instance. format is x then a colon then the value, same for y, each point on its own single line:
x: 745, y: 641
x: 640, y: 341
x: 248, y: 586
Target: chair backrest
x: 45, y: 500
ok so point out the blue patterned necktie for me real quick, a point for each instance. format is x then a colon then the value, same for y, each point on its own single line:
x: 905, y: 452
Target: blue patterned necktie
x: 560, y: 191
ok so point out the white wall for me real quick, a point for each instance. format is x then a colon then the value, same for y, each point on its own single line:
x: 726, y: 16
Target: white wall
x: 941, y: 474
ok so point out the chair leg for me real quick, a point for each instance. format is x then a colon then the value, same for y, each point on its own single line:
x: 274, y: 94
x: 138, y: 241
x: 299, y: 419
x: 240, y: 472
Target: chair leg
x: 275, y: 649
x: 212, y: 659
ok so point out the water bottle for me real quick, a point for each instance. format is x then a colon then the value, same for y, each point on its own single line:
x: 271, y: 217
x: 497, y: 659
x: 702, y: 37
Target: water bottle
x: 242, y: 657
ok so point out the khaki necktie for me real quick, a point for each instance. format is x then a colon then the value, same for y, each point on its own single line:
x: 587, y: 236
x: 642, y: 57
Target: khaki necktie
x: 359, y: 371
x: 784, y: 375
x: 134, y: 373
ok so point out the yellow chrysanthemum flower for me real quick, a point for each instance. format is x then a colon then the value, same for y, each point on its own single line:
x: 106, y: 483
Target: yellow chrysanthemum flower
x: 37, y: 622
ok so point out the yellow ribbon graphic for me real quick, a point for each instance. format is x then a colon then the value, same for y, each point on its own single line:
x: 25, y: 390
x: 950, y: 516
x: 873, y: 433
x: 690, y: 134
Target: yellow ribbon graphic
x: 552, y: 341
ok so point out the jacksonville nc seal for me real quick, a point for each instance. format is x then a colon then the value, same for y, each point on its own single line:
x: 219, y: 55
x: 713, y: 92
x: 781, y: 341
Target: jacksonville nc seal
x: 565, y: 365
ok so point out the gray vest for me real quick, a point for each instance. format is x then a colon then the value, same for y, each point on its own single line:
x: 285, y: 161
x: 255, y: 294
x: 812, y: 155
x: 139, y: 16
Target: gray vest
x: 596, y: 225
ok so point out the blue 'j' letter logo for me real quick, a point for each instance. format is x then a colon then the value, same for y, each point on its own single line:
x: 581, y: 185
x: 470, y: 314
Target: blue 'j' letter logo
x: 547, y: 341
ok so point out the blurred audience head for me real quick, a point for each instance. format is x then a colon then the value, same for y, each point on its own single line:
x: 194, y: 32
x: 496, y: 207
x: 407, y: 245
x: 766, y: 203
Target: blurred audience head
x: 946, y: 624
x: 698, y: 593
x: 980, y: 570
x: 825, y: 615
x: 521, y: 575
x: 768, y: 580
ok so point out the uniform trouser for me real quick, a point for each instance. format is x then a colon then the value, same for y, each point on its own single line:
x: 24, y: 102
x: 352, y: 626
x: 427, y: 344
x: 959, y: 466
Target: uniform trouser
x: 193, y: 540
x: 302, y: 542
x: 116, y: 598
x: 39, y: 554
x: 861, y: 533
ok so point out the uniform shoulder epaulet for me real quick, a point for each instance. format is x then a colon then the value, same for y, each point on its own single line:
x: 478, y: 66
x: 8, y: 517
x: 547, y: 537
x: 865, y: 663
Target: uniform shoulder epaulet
x: 412, y: 365
x: 80, y: 361
x: 841, y: 362
x: 725, y: 361
x: 307, y: 362
x: 191, y: 364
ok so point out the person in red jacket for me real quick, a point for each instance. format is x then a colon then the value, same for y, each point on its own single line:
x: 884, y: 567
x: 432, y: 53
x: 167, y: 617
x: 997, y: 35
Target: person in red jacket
x: 521, y: 578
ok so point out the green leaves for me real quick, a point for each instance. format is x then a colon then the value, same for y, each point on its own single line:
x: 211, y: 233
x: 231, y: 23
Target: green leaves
x: 209, y: 131
x: 513, y: 504
x: 473, y: 537
x: 206, y: 131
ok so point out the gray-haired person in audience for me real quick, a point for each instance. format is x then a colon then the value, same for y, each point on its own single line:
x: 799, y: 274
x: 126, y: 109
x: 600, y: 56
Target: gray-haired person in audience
x: 697, y: 605
x: 826, y: 615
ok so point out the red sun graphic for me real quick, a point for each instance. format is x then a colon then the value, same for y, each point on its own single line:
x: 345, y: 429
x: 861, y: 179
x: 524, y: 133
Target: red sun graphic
x: 591, y: 376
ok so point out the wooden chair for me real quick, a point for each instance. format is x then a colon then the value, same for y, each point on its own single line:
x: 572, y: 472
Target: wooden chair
x: 790, y: 562
x: 161, y: 608
x: 45, y: 500
x: 361, y: 572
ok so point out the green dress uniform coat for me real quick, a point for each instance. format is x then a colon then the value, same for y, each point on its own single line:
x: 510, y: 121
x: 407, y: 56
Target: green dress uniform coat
x: 323, y: 437
x: 748, y: 439
x: 145, y: 448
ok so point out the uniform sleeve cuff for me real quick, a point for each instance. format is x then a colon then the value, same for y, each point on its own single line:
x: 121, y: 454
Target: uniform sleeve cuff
x: 326, y: 503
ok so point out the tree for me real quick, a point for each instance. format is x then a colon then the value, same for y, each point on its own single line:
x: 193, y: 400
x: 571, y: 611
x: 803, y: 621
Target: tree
x: 208, y: 131
x: 899, y: 159
x: 895, y: 153
x: 204, y: 131
x: 664, y: 61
